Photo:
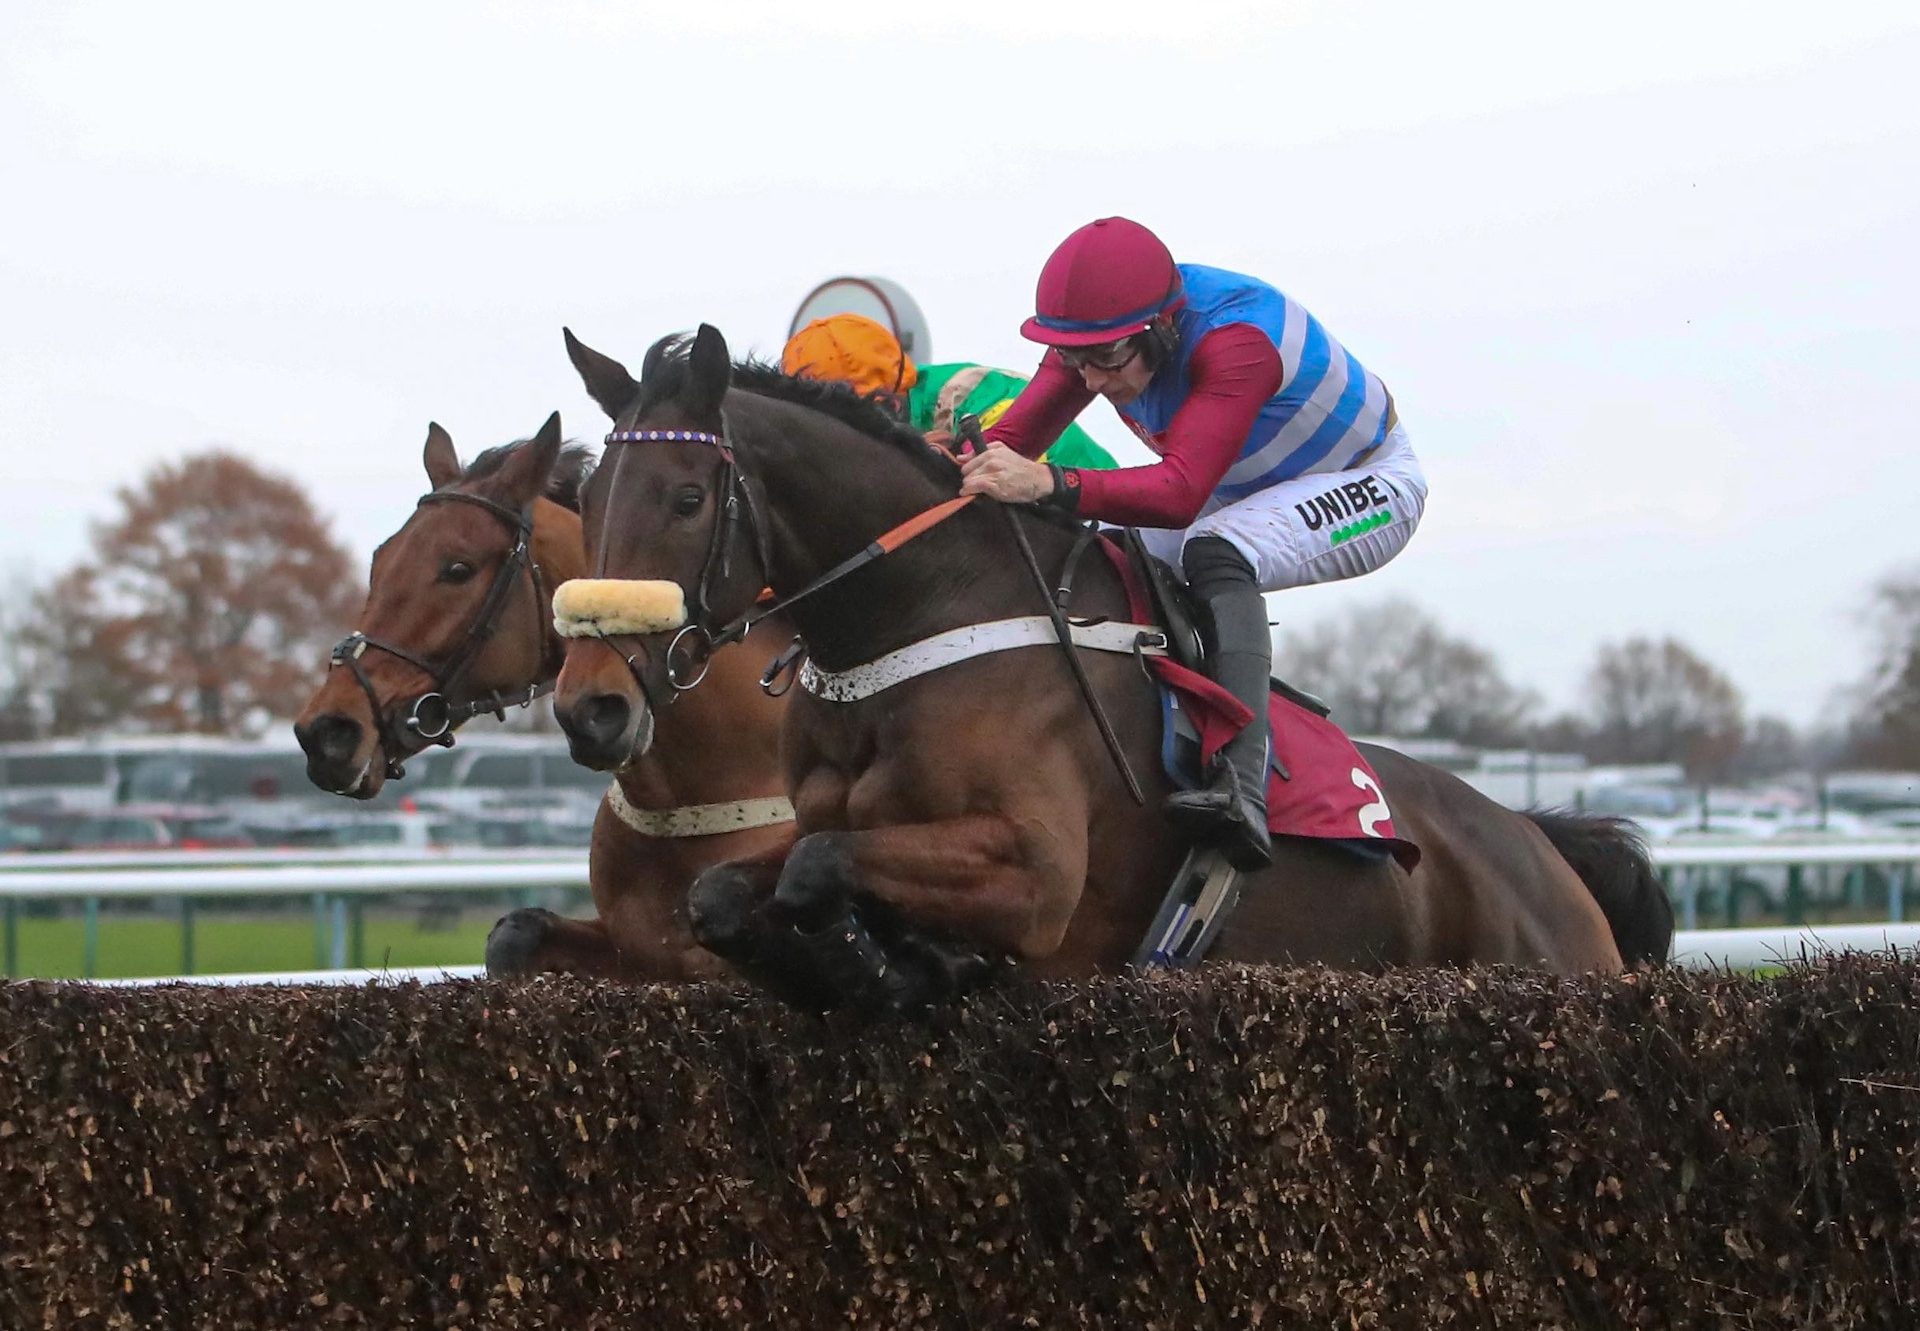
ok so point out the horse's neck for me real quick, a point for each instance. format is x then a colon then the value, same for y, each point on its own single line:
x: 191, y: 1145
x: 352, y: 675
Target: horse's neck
x: 969, y: 570
x: 839, y: 490
x: 720, y: 740
x: 559, y: 544
x: 829, y: 502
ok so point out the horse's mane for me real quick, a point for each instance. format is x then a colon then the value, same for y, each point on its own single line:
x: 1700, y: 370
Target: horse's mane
x: 570, y: 470
x: 665, y: 373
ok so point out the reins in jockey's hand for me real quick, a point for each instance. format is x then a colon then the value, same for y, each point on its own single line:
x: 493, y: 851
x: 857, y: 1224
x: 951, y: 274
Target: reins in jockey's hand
x: 969, y: 430
x: 432, y: 717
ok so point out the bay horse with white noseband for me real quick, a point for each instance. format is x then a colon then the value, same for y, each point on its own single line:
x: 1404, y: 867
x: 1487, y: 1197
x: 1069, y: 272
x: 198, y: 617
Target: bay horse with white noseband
x: 955, y: 818
x: 457, y: 561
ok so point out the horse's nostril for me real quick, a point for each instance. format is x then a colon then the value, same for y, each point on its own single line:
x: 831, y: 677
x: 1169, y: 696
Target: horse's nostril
x: 602, y: 718
x: 331, y: 738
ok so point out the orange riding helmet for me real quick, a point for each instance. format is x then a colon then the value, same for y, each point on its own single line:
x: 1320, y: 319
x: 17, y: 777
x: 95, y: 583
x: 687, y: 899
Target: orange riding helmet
x: 850, y: 349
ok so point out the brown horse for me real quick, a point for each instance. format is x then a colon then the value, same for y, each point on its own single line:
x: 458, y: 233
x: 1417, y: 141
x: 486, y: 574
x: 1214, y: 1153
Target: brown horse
x: 432, y: 584
x: 971, y: 814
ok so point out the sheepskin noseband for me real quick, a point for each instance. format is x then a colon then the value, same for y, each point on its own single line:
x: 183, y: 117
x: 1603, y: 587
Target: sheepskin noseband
x: 611, y: 607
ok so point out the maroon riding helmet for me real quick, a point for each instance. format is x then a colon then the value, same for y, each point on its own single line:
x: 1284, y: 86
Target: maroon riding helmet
x: 1109, y: 280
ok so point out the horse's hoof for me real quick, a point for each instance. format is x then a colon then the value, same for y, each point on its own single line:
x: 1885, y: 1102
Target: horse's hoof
x: 816, y: 884
x: 515, y: 939
x: 720, y: 907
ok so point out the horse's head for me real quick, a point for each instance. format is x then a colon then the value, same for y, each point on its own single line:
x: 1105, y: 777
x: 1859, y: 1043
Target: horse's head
x: 458, y: 617
x: 685, y: 525
x: 670, y: 542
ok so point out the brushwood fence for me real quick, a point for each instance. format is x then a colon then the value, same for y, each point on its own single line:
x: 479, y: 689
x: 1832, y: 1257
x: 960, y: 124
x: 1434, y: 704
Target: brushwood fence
x: 1240, y: 1147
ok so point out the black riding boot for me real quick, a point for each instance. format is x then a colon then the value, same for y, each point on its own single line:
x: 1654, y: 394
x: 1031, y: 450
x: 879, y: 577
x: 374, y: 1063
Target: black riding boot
x: 1230, y: 811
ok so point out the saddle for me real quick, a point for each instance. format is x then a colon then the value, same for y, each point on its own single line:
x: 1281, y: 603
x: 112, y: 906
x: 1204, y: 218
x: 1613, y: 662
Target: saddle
x: 1175, y: 610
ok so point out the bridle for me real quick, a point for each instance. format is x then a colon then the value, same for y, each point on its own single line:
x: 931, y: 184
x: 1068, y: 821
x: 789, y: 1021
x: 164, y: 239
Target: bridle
x: 734, y: 497
x: 432, y: 717
x: 738, y: 492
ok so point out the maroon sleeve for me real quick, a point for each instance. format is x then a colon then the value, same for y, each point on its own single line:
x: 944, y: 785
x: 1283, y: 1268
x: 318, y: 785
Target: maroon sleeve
x: 1233, y: 373
x: 1043, y: 411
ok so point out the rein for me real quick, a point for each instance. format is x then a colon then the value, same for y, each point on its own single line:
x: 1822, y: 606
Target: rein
x: 886, y: 543
x: 970, y: 431
x: 432, y: 717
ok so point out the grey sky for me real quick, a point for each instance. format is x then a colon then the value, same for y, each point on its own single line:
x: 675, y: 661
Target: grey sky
x: 1641, y: 276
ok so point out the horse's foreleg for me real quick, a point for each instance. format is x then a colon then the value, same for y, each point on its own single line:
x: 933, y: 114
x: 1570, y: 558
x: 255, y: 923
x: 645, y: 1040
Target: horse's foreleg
x: 532, y: 941
x: 828, y: 950
x: 725, y: 902
x: 727, y: 908
x: 827, y: 960
x: 1003, y: 886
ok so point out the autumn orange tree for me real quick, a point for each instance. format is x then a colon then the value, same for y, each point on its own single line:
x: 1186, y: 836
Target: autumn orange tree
x: 208, y: 604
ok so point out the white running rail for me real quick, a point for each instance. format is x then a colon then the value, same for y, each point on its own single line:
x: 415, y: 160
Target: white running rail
x: 329, y: 879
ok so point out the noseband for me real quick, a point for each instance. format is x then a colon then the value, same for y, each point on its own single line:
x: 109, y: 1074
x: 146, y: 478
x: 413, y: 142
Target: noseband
x: 432, y: 717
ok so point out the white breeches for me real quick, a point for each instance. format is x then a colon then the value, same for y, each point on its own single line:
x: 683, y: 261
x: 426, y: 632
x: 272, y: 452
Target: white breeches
x: 1317, y: 528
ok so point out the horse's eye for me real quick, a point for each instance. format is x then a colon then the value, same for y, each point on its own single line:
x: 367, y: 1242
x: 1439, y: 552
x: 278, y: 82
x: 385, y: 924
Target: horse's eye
x: 688, y: 502
x: 456, y: 570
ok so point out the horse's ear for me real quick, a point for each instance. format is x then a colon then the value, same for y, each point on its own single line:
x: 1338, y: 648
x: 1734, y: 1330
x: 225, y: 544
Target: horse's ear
x: 443, y: 464
x: 522, y: 478
x: 607, y: 380
x: 709, y: 371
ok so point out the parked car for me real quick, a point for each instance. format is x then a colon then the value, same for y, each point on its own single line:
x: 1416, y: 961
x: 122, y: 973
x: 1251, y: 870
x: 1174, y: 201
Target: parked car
x: 1718, y: 826
x: 108, y: 831
x: 399, y: 831
x: 557, y: 829
x: 19, y: 836
x: 211, y: 830
x: 193, y: 826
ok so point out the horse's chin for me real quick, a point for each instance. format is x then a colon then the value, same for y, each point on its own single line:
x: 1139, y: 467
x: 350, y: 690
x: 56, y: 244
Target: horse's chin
x: 631, y: 746
x: 372, y: 777
x: 364, y: 784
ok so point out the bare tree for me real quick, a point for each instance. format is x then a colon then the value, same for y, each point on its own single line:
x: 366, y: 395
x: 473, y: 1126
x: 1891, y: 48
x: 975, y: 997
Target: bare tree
x: 1771, y: 747
x: 1388, y: 668
x: 1885, y: 723
x: 20, y: 713
x: 1660, y: 702
x: 207, y: 604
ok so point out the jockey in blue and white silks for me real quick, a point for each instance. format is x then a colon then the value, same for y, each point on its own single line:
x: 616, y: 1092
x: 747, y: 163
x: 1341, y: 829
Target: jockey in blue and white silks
x: 1281, y: 458
x: 1329, y: 413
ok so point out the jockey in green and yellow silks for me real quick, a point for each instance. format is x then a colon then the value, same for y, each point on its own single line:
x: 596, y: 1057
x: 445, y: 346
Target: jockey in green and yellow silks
x: 857, y: 351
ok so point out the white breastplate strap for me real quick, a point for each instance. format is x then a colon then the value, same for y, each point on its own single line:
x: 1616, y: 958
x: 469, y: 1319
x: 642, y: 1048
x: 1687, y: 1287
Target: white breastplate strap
x: 699, y: 819
x: 967, y: 642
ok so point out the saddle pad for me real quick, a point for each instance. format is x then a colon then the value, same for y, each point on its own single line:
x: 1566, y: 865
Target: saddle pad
x: 1330, y: 792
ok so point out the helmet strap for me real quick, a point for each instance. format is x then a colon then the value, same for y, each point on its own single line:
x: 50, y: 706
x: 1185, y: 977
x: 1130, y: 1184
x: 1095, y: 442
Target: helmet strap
x: 1160, y: 341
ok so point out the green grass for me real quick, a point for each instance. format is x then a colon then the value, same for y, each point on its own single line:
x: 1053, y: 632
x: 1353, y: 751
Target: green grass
x: 232, y: 941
